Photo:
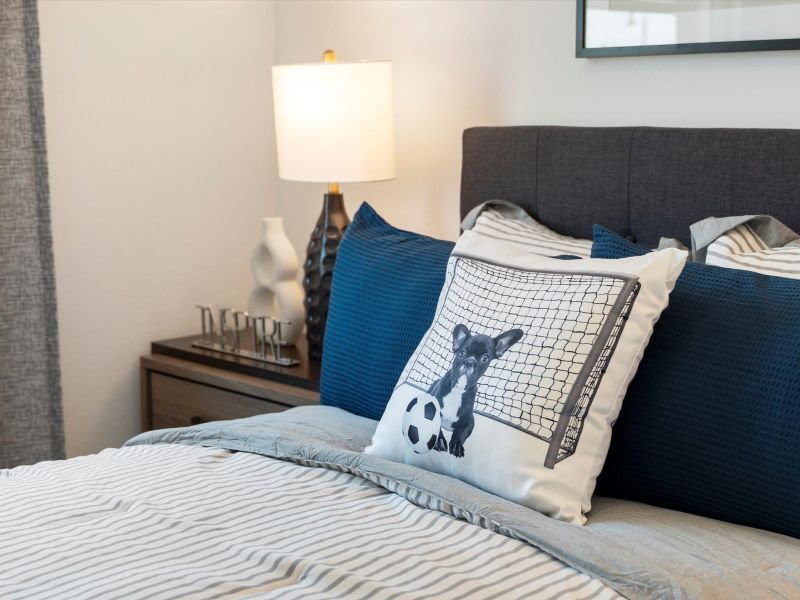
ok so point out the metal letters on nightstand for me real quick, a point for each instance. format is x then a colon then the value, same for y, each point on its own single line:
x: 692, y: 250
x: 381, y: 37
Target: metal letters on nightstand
x: 266, y: 346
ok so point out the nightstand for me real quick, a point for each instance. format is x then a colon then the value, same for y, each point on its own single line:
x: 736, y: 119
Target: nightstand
x: 182, y: 385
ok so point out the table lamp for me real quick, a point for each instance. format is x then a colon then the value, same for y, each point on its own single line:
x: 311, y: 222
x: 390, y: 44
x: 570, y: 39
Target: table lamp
x: 333, y: 124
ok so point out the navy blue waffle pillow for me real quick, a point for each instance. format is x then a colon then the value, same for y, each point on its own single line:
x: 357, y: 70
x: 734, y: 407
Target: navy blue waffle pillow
x: 711, y: 422
x: 385, y: 288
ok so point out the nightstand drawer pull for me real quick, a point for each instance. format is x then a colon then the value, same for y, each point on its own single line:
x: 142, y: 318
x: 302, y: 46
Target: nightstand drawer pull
x: 196, y: 420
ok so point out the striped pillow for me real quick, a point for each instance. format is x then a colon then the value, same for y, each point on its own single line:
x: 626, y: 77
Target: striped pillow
x: 742, y: 248
x: 530, y: 234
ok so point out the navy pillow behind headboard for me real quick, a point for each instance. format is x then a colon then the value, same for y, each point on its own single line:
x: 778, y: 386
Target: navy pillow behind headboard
x: 385, y: 288
x: 711, y: 422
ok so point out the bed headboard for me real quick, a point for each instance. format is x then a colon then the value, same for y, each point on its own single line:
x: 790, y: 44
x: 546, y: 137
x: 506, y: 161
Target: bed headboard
x: 643, y: 182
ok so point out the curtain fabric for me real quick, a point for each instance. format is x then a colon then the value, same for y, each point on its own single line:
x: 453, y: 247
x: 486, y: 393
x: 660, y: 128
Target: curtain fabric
x: 30, y: 390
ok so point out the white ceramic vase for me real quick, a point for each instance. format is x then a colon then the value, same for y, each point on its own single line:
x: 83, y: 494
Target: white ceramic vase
x: 277, y: 293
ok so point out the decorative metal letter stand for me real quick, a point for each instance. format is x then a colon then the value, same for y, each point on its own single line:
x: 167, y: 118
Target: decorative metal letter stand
x: 265, y: 339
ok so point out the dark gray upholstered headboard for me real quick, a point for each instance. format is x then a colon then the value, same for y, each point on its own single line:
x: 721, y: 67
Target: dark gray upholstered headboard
x: 643, y: 182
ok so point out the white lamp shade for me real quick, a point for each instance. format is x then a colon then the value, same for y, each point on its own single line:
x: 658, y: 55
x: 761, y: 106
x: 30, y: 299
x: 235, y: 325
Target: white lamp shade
x: 334, y: 122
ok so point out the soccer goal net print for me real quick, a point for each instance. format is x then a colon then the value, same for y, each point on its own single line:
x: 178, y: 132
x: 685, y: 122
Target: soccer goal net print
x: 545, y: 383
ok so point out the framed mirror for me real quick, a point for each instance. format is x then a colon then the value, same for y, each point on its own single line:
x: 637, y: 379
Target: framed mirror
x: 607, y: 28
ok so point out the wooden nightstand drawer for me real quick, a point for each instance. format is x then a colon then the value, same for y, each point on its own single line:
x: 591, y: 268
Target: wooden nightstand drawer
x: 180, y: 393
x: 180, y: 403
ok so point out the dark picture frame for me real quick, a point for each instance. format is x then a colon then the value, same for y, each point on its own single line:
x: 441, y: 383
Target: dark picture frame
x: 581, y: 51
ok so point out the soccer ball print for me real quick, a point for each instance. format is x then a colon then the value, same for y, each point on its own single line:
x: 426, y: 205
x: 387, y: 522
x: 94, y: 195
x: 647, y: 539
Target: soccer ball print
x: 422, y: 422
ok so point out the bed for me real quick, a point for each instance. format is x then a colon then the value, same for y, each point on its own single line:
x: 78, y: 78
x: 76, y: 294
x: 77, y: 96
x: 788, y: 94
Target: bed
x: 288, y: 506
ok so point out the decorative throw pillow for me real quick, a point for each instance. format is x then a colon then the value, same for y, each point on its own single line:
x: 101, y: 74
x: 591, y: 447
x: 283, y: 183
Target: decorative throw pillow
x: 385, y: 287
x: 509, y: 222
x: 514, y: 385
x: 711, y: 422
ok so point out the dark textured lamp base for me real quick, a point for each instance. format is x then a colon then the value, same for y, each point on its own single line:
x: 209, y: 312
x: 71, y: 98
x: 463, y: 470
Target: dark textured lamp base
x: 320, y: 260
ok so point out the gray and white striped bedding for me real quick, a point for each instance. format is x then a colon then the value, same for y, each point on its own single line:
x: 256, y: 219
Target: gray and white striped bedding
x: 742, y: 248
x: 287, y: 505
x: 178, y: 521
x: 757, y: 243
x: 502, y: 222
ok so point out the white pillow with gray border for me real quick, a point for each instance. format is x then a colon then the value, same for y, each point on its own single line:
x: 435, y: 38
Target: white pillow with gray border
x: 515, y: 385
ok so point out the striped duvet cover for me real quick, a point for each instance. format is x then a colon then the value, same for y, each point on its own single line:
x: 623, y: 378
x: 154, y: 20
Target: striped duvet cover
x: 178, y: 521
x: 287, y: 505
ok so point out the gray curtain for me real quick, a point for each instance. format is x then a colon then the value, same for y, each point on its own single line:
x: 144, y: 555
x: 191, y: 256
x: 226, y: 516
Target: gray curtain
x: 30, y: 390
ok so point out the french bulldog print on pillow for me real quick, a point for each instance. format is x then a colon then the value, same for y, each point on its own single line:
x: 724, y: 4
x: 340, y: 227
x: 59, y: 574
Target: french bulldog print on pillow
x: 456, y: 390
x: 515, y: 384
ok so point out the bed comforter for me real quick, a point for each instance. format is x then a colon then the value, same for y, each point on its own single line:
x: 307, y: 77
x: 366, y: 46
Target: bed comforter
x: 287, y: 506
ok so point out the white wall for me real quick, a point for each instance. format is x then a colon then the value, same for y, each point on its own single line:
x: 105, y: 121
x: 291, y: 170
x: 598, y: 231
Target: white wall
x: 460, y: 64
x: 161, y: 153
